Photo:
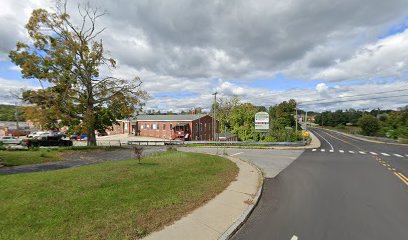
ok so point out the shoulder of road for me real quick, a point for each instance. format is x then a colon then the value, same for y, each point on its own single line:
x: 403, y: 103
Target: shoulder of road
x: 363, y: 138
x: 221, y: 216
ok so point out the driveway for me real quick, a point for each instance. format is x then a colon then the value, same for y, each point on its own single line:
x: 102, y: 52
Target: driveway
x: 270, y: 161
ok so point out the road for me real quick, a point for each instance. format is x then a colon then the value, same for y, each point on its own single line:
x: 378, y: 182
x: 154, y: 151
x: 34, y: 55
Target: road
x: 346, y: 189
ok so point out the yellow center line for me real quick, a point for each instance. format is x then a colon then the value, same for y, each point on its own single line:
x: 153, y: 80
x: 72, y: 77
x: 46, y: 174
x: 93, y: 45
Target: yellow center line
x: 401, y: 177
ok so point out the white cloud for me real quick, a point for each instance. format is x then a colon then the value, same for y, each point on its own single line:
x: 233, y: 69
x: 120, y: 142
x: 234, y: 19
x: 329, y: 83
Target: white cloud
x: 385, y: 58
x: 181, y: 47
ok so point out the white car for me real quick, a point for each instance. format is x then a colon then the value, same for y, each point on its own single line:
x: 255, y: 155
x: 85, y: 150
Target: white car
x: 9, y: 140
x: 36, y: 134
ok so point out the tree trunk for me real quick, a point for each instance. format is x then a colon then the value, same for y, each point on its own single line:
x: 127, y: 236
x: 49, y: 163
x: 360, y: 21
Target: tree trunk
x: 91, y: 140
x: 90, y: 125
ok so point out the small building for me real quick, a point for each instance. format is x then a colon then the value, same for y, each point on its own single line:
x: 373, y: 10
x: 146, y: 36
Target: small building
x: 172, y: 127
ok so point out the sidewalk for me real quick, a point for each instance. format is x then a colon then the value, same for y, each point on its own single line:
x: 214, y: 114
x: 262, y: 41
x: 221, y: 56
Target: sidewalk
x: 221, y: 215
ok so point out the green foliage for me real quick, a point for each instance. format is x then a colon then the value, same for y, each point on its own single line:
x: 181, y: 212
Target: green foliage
x: 8, y: 113
x: 369, y: 125
x: 70, y: 57
x: 114, y: 200
x: 338, y: 118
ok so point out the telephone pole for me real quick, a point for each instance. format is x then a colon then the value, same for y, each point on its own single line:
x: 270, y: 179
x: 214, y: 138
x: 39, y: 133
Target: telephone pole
x: 214, y: 116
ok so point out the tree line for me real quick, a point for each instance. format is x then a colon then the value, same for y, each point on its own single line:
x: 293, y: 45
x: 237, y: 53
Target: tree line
x: 238, y: 118
x: 381, y: 123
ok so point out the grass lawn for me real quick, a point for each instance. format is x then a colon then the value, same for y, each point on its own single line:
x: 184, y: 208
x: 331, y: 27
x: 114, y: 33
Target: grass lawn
x: 10, y: 158
x: 113, y: 200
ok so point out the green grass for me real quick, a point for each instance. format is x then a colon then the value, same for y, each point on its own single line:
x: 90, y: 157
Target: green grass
x: 11, y: 158
x: 113, y: 200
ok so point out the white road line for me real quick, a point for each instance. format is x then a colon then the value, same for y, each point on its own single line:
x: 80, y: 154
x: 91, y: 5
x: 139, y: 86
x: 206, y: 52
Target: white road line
x: 323, y: 150
x: 362, y: 152
x: 342, y: 151
x: 314, y: 150
x: 294, y: 237
x: 351, y: 152
x: 331, y: 150
x: 385, y: 154
x: 324, y: 139
x: 373, y: 153
x: 397, y: 155
x: 236, y: 154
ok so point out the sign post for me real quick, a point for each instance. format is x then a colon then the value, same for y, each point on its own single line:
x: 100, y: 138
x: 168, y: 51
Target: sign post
x: 262, y: 122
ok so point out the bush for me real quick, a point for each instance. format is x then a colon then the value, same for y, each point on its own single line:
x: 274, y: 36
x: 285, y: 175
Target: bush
x: 369, y: 125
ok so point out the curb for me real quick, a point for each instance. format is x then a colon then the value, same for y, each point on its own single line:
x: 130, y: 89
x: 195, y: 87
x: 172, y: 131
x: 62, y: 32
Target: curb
x: 245, y: 215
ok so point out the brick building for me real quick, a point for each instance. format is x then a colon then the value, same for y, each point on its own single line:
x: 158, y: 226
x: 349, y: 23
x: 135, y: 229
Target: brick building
x: 198, y: 126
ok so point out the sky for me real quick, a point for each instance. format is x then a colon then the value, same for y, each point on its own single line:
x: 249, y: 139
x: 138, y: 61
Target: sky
x: 263, y: 51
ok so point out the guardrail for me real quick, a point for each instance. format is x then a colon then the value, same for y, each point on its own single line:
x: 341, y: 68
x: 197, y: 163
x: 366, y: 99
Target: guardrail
x: 107, y: 143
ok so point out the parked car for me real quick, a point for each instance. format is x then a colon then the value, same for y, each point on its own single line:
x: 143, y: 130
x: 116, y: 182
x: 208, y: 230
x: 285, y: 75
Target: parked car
x: 46, y: 141
x: 35, y: 134
x: 10, y: 140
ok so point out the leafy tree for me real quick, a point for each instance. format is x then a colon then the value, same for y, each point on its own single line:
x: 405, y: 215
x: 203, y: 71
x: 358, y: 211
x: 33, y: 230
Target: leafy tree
x: 282, y: 114
x: 42, y: 118
x: 69, y: 57
x: 369, y: 124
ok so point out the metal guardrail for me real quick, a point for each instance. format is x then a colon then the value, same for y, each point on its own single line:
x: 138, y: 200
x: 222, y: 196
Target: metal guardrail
x: 217, y: 143
x: 107, y: 143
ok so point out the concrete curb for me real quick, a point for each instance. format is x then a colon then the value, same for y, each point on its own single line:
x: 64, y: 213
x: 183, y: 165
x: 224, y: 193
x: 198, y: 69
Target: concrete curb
x: 245, y: 215
x: 195, y: 225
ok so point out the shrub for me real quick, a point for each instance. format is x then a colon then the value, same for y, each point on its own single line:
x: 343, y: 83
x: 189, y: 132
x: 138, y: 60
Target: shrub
x: 369, y: 125
x: 138, y: 151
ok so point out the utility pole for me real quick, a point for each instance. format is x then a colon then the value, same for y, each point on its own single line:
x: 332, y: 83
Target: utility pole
x: 296, y: 120
x: 16, y: 116
x: 214, y: 116
x: 306, y: 121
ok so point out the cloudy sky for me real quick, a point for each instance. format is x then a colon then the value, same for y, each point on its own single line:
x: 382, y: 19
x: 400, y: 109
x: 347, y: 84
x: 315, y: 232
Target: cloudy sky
x: 261, y: 50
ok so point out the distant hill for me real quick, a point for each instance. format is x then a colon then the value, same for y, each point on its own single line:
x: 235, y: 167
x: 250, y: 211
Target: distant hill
x: 8, y: 113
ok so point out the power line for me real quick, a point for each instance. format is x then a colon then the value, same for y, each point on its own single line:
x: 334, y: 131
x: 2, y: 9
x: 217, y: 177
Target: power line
x: 367, y: 94
x: 353, y: 100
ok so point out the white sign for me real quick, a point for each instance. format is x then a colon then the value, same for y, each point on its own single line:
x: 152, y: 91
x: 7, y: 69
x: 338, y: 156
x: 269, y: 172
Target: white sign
x: 262, y: 121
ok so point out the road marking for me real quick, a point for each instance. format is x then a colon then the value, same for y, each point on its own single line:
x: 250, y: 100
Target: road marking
x: 351, y: 152
x: 331, y: 150
x: 323, y: 150
x: 385, y: 154
x: 324, y: 140
x: 342, y: 151
x: 397, y: 155
x: 402, y: 177
x: 362, y: 152
x: 373, y: 153
x: 294, y: 237
x: 236, y: 154
x: 314, y: 150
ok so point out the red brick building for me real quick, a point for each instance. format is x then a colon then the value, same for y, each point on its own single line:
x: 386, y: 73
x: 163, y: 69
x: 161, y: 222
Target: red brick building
x: 198, y: 126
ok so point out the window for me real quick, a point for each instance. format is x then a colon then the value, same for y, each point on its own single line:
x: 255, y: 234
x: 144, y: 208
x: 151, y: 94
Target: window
x: 164, y: 127
x: 125, y: 125
x: 141, y: 126
x: 171, y: 126
x: 145, y: 126
x: 154, y: 126
x: 148, y: 126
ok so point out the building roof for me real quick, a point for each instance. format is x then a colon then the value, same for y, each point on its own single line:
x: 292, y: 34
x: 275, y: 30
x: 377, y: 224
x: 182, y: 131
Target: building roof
x: 173, y: 117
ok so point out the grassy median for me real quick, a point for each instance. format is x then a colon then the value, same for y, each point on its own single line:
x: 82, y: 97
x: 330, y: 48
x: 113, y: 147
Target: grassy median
x: 113, y: 200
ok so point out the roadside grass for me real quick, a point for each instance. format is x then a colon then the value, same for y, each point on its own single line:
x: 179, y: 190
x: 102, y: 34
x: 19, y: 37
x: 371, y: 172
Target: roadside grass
x: 113, y: 200
x: 17, y: 157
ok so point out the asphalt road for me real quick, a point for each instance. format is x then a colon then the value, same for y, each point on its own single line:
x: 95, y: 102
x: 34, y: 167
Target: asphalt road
x: 347, y: 189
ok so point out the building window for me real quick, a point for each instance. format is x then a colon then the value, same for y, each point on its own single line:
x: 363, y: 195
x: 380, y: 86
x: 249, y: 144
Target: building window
x: 154, y: 126
x: 171, y: 126
x: 141, y: 126
x: 148, y: 126
x: 164, y: 127
x: 126, y: 125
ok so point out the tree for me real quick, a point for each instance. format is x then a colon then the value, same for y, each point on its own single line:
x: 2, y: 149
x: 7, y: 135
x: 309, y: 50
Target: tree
x: 69, y: 57
x: 369, y: 124
x: 41, y: 118
x: 282, y: 114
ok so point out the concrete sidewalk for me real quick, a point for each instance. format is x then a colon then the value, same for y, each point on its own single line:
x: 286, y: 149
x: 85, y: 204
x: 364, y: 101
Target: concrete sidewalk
x: 222, y: 215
